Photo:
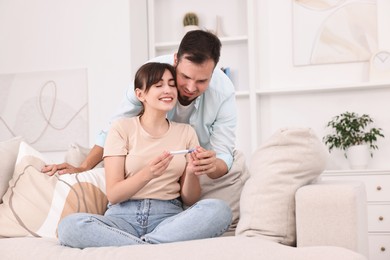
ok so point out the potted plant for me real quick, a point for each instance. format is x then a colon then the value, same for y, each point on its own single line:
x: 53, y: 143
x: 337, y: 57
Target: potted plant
x: 350, y: 134
x: 190, y: 22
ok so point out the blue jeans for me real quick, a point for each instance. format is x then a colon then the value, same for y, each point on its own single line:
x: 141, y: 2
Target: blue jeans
x: 146, y: 221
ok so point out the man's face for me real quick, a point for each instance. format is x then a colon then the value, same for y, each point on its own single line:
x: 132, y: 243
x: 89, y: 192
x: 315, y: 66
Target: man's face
x: 192, y: 79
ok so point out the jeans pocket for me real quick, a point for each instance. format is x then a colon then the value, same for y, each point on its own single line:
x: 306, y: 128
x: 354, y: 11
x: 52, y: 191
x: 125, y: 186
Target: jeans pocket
x: 176, y: 202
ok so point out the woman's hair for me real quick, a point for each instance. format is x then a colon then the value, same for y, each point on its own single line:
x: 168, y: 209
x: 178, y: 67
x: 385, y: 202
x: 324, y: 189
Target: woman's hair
x: 198, y: 46
x: 151, y: 73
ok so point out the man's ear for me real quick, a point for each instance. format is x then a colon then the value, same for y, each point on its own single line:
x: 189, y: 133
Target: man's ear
x: 139, y: 94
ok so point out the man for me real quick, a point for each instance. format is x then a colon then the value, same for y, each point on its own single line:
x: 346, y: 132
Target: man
x: 206, y: 101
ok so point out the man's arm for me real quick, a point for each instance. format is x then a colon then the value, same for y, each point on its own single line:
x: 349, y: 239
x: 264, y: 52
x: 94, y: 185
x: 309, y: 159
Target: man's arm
x: 220, y: 169
x: 223, y: 129
x: 93, y: 158
x: 217, y: 160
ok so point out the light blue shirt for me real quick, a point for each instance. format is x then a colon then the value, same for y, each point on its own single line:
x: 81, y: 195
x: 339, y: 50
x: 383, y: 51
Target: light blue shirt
x: 214, y: 117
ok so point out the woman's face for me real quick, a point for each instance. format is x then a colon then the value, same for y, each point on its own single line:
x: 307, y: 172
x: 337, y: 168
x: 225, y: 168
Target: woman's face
x: 161, y: 96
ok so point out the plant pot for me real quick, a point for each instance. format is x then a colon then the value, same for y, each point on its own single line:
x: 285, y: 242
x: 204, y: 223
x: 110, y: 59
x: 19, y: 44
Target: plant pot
x: 188, y: 28
x: 358, y: 156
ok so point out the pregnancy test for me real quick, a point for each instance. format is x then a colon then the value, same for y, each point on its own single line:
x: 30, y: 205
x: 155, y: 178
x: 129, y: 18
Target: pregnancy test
x: 182, y: 151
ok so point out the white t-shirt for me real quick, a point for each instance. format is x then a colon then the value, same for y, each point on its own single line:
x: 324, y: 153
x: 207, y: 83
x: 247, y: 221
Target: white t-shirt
x: 182, y: 113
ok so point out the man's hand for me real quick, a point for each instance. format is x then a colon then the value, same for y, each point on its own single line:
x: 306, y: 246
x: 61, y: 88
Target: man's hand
x: 93, y: 158
x: 206, y: 162
x: 63, y: 168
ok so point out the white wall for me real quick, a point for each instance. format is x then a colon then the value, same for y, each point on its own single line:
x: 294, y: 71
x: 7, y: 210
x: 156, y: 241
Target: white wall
x: 315, y: 109
x: 275, y: 37
x: 42, y: 35
x: 109, y: 38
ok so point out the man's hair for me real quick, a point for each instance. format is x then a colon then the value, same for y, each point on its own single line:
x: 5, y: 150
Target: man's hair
x: 198, y: 46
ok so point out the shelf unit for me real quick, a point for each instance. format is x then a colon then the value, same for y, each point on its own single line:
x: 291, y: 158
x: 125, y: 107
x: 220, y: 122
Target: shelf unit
x: 165, y: 32
x: 255, y: 40
x: 237, y: 17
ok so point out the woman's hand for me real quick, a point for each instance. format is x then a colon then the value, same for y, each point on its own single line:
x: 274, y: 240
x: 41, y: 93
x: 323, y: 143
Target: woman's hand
x: 119, y: 188
x: 157, y: 166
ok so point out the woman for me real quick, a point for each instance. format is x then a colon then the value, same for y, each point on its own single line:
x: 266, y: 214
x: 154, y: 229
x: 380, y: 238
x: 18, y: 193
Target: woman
x: 147, y: 180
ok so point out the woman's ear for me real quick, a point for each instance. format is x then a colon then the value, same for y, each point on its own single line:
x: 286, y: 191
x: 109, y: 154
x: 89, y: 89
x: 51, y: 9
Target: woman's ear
x: 175, y: 60
x: 139, y: 94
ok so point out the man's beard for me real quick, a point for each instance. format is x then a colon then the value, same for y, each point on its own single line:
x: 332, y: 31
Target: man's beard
x: 184, y: 101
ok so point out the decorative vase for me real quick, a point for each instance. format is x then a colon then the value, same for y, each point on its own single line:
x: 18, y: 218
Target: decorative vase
x: 358, y: 156
x: 218, y: 28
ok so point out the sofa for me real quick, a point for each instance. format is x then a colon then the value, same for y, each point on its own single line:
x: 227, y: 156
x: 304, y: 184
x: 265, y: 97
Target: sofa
x: 281, y: 207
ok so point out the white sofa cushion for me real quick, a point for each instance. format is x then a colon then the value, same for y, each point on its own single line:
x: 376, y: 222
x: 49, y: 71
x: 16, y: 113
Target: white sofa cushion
x: 291, y: 158
x: 326, y: 208
x: 226, y: 248
x: 8, y: 154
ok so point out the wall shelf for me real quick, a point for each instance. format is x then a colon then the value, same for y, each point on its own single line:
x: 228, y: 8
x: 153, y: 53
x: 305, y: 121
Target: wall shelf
x: 356, y: 172
x: 333, y: 88
x: 240, y: 94
x: 161, y: 46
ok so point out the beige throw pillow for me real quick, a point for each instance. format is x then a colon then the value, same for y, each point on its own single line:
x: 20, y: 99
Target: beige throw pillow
x: 76, y: 154
x: 35, y: 202
x: 8, y: 154
x: 290, y: 159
